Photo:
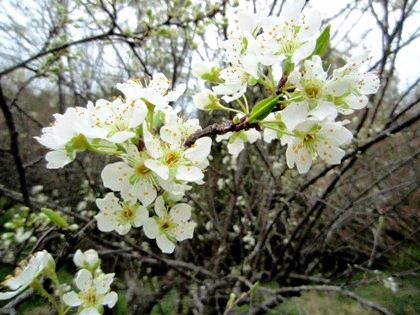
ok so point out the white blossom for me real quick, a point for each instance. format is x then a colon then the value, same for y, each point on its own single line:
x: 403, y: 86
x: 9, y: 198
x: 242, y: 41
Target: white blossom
x: 66, y: 136
x: 120, y: 215
x: 93, y: 293
x: 88, y: 259
x: 26, y: 273
x: 169, y: 227
x: 237, y: 139
x: 118, y: 118
x: 292, y: 35
x: 156, y: 92
x: 313, y: 139
x: 131, y: 177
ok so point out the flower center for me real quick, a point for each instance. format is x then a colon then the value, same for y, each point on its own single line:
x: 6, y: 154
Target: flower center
x: 127, y: 212
x: 172, y: 158
x: 312, y: 90
x: 90, y: 297
x: 141, y: 169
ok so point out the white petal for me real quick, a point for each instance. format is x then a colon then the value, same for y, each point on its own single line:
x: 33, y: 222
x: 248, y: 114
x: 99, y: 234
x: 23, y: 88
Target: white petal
x: 106, y: 223
x: 151, y: 228
x: 123, y: 229
x: 329, y: 153
x: 236, y: 146
x: 171, y: 135
x: 143, y: 190
x: 110, y: 299
x: 294, y: 114
x: 299, y: 156
x: 57, y: 159
x: 203, y: 99
x: 102, y: 282
x: 90, y: 311
x: 180, y: 212
x: 9, y: 295
x: 84, y: 279
x: 189, y: 173
x: 116, y: 176
x: 152, y: 144
x: 158, y: 167
x: 131, y: 89
x: 356, y: 102
x: 176, y: 92
x: 312, y: 24
x: 165, y: 245
x: 223, y: 137
x: 121, y: 136
x: 303, y: 51
x: 324, y: 110
x: 185, y: 231
x: 368, y: 83
x: 142, y: 214
x: 252, y: 135
x: 72, y: 299
x: 336, y: 134
x: 138, y: 115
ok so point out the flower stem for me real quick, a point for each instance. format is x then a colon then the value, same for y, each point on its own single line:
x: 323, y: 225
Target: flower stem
x: 37, y: 285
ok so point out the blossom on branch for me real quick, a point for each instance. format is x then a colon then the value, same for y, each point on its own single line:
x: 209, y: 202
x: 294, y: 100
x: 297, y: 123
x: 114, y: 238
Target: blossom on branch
x: 26, y: 273
x: 292, y: 36
x: 120, y: 215
x: 132, y: 177
x: 171, y: 226
x: 88, y: 259
x: 155, y: 92
x: 313, y: 138
x: 118, y: 118
x: 94, y: 292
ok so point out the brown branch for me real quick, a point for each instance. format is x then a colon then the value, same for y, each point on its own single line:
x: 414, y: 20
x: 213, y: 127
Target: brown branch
x: 220, y: 129
x: 14, y: 147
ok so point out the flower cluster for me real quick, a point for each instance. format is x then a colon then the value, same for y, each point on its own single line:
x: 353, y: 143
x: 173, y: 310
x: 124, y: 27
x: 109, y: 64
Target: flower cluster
x: 282, y: 55
x: 147, y: 135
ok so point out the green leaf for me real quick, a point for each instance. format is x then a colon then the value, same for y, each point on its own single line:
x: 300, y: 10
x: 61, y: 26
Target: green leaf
x: 231, y: 300
x: 263, y: 108
x: 55, y: 217
x: 254, y: 287
x: 322, y: 42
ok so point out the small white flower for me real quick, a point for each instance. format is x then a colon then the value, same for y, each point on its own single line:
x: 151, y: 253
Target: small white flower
x: 26, y: 273
x: 313, y: 139
x: 237, y: 139
x: 131, y: 177
x: 234, y: 85
x: 155, y: 92
x: 94, y: 292
x: 206, y: 100
x: 350, y: 85
x: 169, y: 227
x: 117, y: 118
x: 170, y: 160
x: 120, y: 215
x: 205, y: 70
x: 88, y: 259
x: 289, y: 36
x: 67, y: 136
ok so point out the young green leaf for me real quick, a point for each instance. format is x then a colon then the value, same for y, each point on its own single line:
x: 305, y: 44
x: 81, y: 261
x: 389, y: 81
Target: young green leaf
x: 55, y: 217
x: 263, y: 108
x: 322, y: 42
